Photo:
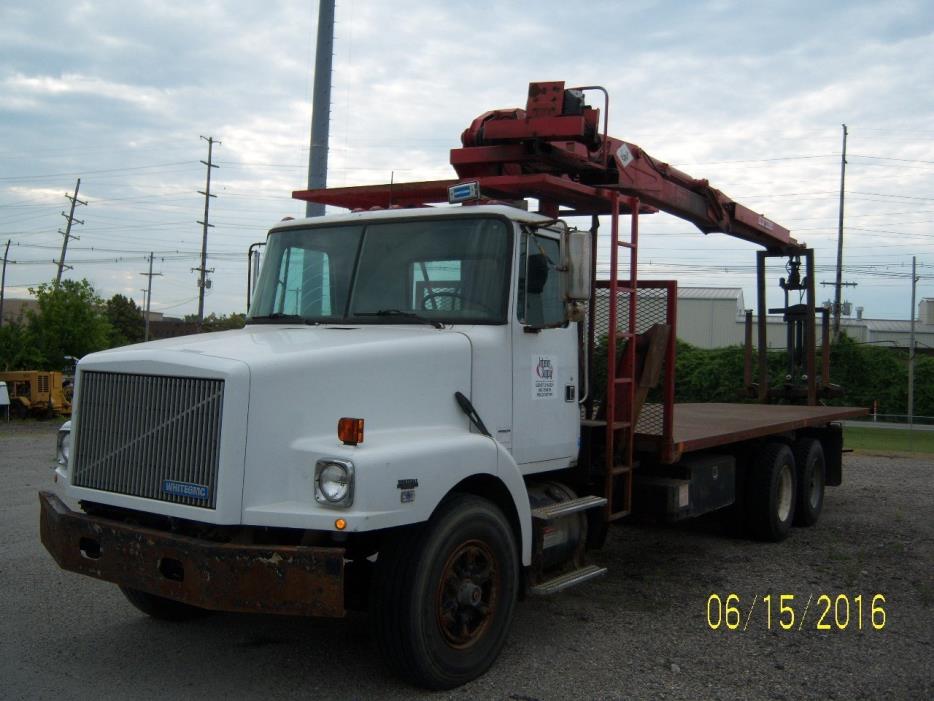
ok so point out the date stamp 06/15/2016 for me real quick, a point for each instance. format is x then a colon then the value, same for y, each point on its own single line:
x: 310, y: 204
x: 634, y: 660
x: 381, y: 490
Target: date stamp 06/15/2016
x: 792, y: 612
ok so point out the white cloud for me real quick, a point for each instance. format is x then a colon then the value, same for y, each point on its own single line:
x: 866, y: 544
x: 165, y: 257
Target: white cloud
x: 39, y: 86
x: 112, y: 90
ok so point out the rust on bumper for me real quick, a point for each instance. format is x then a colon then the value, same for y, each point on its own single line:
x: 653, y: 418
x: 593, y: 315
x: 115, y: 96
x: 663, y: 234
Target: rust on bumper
x: 294, y: 580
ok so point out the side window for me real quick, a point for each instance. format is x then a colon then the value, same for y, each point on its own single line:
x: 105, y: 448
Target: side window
x: 539, y: 295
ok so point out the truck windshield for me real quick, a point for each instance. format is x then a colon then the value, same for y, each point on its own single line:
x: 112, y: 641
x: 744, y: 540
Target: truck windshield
x: 452, y: 270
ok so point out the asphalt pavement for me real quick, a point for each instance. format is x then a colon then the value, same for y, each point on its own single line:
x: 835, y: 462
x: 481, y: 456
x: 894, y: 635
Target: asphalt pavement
x: 649, y: 629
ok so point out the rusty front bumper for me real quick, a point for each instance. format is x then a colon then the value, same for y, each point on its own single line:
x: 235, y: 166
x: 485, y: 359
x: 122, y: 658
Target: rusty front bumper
x: 296, y: 580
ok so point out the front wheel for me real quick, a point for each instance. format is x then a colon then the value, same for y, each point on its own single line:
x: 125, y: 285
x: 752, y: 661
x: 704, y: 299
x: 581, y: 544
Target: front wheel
x: 442, y: 599
x: 162, y: 608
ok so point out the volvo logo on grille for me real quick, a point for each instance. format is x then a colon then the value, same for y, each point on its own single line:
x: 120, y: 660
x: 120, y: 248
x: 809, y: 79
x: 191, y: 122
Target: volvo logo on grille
x: 185, y: 489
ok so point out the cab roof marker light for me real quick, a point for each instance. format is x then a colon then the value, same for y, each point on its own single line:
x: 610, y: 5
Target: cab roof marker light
x: 464, y: 192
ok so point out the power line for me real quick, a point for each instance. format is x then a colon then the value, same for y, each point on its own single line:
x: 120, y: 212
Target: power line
x: 103, y: 250
x: 95, y: 172
x: 886, y: 158
x: 901, y: 197
x: 758, y: 160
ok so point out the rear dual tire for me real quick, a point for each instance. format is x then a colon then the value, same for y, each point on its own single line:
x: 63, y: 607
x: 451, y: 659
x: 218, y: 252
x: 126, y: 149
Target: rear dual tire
x: 809, y: 459
x: 772, y: 493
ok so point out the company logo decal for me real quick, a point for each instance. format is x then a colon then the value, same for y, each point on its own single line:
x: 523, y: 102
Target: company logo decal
x: 544, y: 369
x: 186, y: 489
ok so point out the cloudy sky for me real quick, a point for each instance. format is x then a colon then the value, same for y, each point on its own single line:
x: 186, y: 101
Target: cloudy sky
x: 750, y: 95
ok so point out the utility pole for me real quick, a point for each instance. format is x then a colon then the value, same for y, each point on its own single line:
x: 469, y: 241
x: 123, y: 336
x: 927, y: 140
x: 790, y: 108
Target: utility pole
x: 148, y: 292
x: 911, y: 344
x: 70, y: 217
x: 321, y: 106
x: 838, y: 304
x: 836, y: 298
x: 202, y: 281
x: 6, y: 254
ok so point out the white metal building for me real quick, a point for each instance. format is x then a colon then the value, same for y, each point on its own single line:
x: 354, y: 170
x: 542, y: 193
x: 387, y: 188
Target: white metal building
x: 714, y: 317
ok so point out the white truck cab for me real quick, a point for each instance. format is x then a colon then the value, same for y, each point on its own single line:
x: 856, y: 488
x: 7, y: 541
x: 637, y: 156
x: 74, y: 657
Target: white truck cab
x: 402, y: 376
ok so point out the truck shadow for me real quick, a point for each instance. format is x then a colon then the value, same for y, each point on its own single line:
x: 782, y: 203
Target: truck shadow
x: 235, y: 655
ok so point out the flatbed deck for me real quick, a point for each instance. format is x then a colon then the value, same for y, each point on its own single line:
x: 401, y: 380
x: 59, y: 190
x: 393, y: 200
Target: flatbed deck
x: 700, y: 426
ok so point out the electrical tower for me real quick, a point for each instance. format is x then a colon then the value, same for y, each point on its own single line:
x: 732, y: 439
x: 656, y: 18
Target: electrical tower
x: 202, y: 280
x: 148, y: 292
x: 70, y: 217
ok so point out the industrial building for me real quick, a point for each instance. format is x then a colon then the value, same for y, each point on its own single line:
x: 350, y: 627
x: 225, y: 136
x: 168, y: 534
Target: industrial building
x: 714, y: 317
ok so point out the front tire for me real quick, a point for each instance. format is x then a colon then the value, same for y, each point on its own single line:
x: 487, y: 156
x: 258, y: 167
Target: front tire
x: 443, y: 595
x: 161, y: 608
x: 772, y: 493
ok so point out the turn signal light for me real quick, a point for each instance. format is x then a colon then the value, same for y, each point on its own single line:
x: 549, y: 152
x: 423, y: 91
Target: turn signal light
x: 340, y: 524
x: 350, y: 431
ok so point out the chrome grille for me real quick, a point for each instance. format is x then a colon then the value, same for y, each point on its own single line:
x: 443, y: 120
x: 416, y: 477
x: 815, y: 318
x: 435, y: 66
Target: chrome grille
x: 149, y: 436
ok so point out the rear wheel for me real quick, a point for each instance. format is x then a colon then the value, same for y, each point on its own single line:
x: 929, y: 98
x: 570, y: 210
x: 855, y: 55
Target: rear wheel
x: 162, y: 608
x: 771, y: 492
x: 443, y: 596
x: 809, y: 458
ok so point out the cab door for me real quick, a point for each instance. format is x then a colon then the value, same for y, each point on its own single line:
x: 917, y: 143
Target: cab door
x: 546, y: 417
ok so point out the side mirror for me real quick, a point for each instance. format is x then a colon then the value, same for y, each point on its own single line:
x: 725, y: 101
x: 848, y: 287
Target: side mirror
x: 577, y: 260
x: 252, y: 270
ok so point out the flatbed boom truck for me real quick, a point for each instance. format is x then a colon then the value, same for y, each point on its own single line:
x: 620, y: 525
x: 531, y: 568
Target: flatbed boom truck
x: 482, y: 446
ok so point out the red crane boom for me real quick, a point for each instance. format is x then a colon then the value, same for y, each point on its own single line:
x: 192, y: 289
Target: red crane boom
x: 554, y: 150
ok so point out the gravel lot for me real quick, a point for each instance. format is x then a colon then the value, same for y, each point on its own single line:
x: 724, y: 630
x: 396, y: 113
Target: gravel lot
x: 640, y: 632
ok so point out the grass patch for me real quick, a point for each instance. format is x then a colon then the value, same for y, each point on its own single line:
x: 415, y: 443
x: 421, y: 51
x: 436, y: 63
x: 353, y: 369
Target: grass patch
x: 895, y: 440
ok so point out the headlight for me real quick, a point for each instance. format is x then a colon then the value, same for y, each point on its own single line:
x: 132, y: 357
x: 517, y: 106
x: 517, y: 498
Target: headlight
x: 334, y: 482
x: 63, y: 446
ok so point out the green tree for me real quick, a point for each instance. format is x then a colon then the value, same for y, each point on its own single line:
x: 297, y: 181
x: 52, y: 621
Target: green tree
x: 867, y: 373
x: 225, y: 322
x: 870, y: 373
x: 16, y: 349
x: 70, y: 321
x: 924, y: 385
x: 126, y: 321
